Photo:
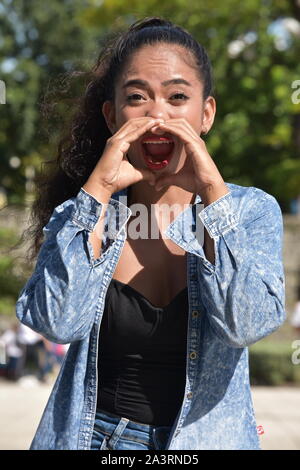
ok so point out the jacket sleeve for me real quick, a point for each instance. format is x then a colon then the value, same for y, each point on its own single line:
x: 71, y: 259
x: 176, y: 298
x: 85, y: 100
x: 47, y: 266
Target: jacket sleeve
x: 59, y: 300
x: 244, y: 291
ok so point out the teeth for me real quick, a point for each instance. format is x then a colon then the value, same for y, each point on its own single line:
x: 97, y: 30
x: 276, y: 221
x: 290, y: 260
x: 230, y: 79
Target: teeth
x: 150, y: 142
x: 155, y: 163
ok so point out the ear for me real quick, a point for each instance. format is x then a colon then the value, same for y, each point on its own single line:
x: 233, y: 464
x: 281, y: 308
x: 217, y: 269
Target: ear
x: 108, y: 111
x: 209, y: 111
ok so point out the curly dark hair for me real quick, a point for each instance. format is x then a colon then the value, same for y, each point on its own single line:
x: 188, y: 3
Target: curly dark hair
x: 84, y: 138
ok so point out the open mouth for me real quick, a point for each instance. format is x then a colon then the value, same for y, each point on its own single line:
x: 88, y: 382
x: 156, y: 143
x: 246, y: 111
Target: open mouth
x: 157, y: 150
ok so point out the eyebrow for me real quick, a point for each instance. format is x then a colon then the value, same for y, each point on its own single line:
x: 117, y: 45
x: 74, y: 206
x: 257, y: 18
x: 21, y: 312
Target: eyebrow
x: 145, y: 84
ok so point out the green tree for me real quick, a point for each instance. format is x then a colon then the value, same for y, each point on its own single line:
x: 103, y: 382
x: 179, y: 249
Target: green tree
x: 253, y: 50
x: 39, y: 43
x: 255, y: 137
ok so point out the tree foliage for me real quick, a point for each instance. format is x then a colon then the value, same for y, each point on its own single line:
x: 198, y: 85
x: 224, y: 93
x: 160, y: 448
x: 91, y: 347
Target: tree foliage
x: 255, y: 137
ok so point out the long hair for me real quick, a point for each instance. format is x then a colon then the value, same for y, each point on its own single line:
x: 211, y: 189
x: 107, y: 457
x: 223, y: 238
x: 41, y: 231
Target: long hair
x: 85, y: 136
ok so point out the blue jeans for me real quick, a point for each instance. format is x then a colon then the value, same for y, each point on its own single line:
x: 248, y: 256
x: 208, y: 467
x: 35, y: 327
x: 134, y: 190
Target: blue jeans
x: 112, y: 432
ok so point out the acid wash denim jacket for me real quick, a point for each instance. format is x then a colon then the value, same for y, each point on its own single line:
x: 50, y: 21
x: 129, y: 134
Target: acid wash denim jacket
x: 232, y: 304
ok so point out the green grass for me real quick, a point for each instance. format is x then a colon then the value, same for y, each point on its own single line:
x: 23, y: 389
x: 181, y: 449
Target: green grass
x: 270, y: 363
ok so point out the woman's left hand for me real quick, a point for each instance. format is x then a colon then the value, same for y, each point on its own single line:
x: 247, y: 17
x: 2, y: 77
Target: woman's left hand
x: 199, y: 174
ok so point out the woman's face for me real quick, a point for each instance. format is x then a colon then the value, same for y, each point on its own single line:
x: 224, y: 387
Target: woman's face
x: 157, y: 82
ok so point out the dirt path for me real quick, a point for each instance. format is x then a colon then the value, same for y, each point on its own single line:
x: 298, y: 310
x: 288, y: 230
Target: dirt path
x: 21, y: 407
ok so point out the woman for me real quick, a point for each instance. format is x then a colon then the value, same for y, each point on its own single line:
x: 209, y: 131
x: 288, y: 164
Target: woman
x: 159, y: 325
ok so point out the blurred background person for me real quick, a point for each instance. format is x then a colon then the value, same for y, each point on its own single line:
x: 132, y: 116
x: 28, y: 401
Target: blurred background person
x: 14, y: 353
x: 33, y: 348
x: 295, y: 317
x: 52, y: 356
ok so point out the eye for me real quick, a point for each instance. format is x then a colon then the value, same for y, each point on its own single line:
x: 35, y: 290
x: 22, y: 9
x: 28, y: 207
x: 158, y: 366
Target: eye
x: 134, y: 97
x: 180, y: 96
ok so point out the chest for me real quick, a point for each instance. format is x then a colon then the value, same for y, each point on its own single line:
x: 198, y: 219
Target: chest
x: 155, y: 268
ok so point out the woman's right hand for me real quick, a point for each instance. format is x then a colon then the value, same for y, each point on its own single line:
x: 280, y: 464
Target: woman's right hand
x: 113, y: 171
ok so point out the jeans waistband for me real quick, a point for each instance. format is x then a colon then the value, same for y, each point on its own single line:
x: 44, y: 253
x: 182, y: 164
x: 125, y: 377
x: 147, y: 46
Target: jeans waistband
x: 113, y: 418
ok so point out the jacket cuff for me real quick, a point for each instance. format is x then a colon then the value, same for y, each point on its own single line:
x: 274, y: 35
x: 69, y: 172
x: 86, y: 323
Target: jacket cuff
x: 87, y: 210
x: 219, y: 216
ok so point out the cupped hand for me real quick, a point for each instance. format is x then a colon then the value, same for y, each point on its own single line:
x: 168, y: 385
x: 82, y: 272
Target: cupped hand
x: 199, y: 173
x: 113, y: 171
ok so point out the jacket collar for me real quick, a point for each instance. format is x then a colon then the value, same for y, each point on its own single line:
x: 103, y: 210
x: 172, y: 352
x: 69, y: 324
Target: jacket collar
x: 186, y: 230
x: 124, y: 192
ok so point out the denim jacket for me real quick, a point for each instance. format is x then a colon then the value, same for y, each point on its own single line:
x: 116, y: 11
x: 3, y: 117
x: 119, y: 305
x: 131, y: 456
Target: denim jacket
x: 232, y: 304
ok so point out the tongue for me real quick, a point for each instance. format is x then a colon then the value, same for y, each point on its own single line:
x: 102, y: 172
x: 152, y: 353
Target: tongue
x: 158, y: 151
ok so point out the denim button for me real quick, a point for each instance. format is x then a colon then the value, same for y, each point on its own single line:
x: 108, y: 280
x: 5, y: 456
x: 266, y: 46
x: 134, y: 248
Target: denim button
x: 193, y: 355
x: 189, y: 395
x: 195, y: 313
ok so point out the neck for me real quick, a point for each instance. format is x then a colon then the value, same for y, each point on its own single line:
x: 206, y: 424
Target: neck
x: 143, y: 193
x: 167, y: 203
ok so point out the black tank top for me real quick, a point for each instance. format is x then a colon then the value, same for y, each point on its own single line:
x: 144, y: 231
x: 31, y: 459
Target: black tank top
x: 142, y: 356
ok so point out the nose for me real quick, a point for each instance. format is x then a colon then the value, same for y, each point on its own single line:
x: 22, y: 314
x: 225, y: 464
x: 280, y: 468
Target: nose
x: 157, y: 110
